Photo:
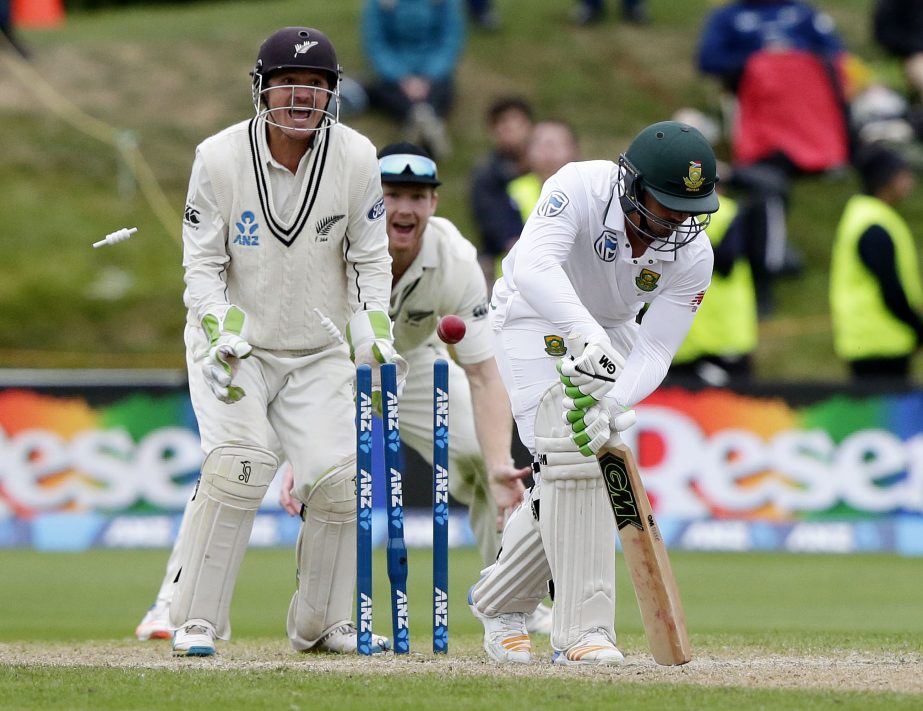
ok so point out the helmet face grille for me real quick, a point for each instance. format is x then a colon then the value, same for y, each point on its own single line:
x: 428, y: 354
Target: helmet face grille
x: 297, y: 48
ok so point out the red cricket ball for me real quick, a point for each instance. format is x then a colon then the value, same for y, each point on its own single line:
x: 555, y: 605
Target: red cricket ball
x: 451, y: 329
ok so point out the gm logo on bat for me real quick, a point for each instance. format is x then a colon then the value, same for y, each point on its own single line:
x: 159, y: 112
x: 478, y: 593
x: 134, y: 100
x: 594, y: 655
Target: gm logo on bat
x: 621, y: 496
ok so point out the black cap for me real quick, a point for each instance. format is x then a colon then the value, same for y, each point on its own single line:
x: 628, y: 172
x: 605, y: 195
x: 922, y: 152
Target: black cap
x: 297, y: 48
x: 407, y: 163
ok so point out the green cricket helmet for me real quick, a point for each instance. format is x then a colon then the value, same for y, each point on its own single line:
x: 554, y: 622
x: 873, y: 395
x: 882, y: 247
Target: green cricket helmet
x: 674, y: 163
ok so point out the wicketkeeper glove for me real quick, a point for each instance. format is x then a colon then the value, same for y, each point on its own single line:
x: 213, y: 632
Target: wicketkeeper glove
x: 227, y: 345
x: 371, y: 342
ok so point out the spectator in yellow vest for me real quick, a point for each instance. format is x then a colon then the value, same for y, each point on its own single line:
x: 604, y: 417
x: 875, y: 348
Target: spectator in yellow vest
x: 876, y: 298
x: 718, y: 347
x: 552, y: 145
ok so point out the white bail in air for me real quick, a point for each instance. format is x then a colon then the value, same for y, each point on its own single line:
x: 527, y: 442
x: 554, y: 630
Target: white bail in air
x: 117, y: 236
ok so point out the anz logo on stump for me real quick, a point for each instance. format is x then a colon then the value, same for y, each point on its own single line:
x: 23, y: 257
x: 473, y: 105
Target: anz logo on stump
x: 607, y: 246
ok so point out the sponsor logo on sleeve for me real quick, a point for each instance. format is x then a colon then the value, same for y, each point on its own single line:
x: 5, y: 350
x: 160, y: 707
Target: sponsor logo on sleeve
x: 377, y: 211
x: 191, y: 217
x: 553, y: 204
x: 480, y: 311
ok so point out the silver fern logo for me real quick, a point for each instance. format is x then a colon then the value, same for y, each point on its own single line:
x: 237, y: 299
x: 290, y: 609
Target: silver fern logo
x: 324, y: 226
x: 303, y: 47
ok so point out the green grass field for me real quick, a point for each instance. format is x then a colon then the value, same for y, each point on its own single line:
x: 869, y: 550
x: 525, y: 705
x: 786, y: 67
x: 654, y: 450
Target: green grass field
x: 167, y: 76
x: 768, y: 632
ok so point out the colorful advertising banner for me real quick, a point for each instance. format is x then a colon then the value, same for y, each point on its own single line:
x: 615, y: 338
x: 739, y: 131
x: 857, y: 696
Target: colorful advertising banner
x: 113, y: 467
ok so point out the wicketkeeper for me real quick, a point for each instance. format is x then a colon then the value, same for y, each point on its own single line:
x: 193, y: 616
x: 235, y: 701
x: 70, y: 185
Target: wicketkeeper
x: 284, y: 214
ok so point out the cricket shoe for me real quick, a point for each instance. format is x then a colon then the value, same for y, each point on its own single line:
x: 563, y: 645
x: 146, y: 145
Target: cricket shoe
x: 196, y: 638
x: 156, y: 623
x: 506, y: 639
x: 594, y: 647
x: 345, y: 640
x: 539, y: 622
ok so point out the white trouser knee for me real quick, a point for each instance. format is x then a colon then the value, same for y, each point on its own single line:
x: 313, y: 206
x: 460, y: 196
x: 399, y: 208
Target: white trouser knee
x: 326, y: 555
x: 578, y: 529
x: 233, y: 482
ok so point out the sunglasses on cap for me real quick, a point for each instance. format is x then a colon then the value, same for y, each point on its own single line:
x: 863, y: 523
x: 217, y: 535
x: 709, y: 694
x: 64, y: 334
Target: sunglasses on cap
x: 406, y: 164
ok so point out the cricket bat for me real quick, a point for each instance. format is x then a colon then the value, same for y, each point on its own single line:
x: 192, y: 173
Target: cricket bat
x: 646, y: 556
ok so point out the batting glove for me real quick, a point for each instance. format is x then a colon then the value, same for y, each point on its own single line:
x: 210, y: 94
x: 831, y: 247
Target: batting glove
x: 590, y: 428
x: 591, y: 374
x: 226, y: 348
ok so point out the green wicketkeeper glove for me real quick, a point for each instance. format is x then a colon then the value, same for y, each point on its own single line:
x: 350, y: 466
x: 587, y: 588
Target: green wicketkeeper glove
x: 371, y: 342
x: 226, y: 347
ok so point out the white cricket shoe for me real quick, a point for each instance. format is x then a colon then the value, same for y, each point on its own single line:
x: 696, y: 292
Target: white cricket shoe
x: 156, y: 623
x: 345, y: 640
x: 506, y: 639
x: 594, y: 647
x: 195, y: 638
x: 539, y: 622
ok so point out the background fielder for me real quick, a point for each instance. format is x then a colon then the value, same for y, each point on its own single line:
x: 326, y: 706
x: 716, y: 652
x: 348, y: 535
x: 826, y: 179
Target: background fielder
x: 435, y: 273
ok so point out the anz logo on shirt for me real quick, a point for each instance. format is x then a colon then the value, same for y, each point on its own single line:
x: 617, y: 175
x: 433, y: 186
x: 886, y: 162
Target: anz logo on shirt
x: 246, y: 230
x: 607, y: 246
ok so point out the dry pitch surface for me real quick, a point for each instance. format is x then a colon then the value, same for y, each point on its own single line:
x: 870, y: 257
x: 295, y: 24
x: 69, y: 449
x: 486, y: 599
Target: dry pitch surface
x: 848, y: 671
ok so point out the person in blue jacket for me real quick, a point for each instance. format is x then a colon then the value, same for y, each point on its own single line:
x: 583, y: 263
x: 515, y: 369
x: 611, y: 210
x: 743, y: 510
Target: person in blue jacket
x: 413, y: 48
x: 737, y: 30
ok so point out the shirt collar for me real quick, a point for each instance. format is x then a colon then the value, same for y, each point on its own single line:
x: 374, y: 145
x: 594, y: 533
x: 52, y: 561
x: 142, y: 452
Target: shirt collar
x: 267, y: 154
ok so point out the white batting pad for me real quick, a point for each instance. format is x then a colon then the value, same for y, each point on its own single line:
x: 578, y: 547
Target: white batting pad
x: 326, y: 555
x: 577, y: 528
x: 518, y: 581
x: 233, y: 483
